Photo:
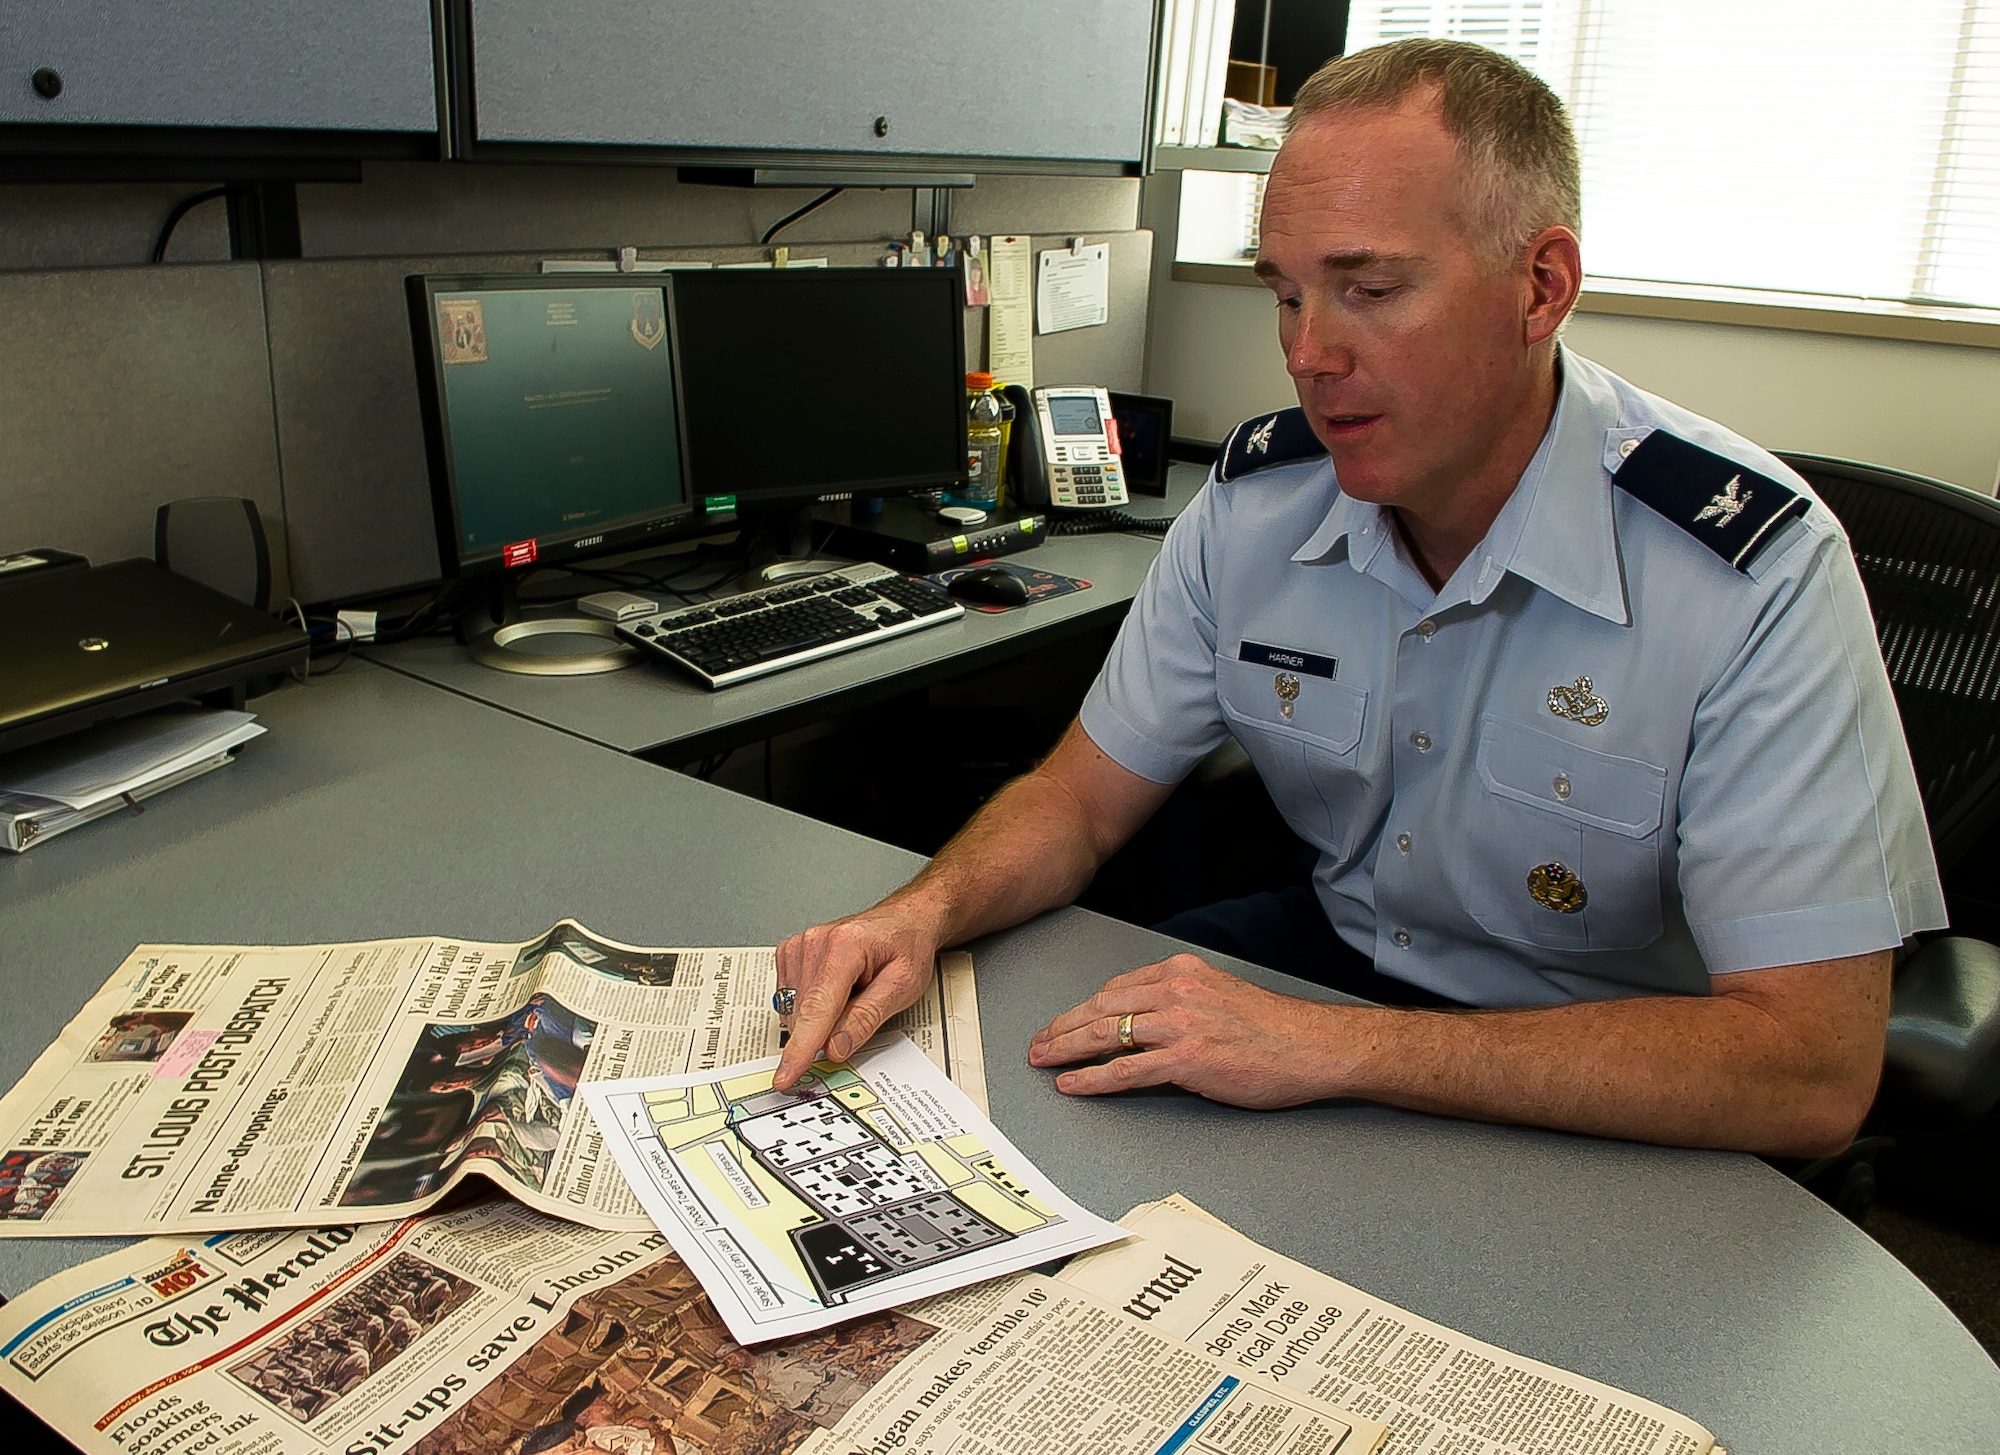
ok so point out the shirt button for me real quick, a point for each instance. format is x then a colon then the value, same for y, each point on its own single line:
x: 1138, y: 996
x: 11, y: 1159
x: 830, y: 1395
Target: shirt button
x: 1561, y: 786
x: 1421, y: 741
x: 1402, y: 939
x: 1625, y: 448
x: 1403, y: 842
x: 1427, y: 629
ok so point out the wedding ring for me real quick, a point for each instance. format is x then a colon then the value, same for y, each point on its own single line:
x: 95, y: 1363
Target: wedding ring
x: 784, y: 1000
x: 1125, y: 1039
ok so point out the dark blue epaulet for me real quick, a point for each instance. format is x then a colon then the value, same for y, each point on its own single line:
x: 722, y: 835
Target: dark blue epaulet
x: 1269, y: 439
x: 1732, y: 510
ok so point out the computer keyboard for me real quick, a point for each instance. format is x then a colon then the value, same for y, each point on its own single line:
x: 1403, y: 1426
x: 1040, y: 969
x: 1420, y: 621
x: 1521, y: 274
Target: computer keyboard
x: 736, y: 638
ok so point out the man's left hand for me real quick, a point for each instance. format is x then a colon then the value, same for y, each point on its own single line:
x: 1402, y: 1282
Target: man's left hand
x: 1193, y: 1026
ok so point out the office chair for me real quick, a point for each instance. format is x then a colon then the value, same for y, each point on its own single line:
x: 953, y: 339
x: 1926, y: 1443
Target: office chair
x: 1929, y: 555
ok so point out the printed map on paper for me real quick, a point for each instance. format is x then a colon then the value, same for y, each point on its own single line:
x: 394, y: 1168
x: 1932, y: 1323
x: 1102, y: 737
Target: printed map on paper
x: 866, y: 1185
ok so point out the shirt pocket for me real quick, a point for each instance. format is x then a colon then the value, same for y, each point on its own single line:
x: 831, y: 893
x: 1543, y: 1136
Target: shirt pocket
x: 1306, y: 760
x: 1550, y: 801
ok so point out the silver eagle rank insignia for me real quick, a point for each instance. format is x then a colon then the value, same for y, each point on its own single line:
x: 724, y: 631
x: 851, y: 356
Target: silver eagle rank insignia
x: 1708, y: 495
x: 1265, y: 441
x: 1726, y: 504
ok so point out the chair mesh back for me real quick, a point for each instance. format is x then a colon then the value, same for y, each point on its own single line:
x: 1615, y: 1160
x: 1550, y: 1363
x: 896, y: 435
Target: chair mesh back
x: 1929, y: 554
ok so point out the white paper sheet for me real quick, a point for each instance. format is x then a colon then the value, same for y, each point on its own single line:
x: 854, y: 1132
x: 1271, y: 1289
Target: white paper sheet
x: 113, y: 758
x: 871, y: 1183
x: 1073, y: 289
x: 1010, y: 330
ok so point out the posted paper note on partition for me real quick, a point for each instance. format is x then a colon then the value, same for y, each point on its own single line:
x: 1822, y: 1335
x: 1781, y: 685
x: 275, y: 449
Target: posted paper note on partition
x: 870, y: 1183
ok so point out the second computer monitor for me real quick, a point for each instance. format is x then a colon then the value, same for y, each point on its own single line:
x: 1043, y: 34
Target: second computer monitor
x: 803, y: 382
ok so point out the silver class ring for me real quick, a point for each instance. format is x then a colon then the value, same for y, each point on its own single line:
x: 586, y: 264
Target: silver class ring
x: 784, y: 1000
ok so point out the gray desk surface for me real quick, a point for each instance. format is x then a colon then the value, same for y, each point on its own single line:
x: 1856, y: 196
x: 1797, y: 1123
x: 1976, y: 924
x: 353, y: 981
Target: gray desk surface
x: 655, y: 711
x: 379, y: 806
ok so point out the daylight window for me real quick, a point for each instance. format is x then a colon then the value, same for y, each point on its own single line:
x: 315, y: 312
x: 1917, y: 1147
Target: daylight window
x: 1809, y: 146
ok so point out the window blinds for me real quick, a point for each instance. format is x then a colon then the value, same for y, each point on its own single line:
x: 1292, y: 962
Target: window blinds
x: 1810, y: 146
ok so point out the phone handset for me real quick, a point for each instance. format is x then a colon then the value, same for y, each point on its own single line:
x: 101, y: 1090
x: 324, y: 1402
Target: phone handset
x: 1068, y: 457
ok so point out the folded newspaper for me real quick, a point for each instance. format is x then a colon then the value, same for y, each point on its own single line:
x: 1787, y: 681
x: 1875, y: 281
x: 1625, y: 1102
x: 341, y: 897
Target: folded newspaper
x: 1191, y: 1278
x: 493, y: 1329
x: 223, y: 1088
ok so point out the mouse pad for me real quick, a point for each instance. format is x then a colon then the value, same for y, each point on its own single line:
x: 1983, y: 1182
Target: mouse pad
x: 1041, y: 584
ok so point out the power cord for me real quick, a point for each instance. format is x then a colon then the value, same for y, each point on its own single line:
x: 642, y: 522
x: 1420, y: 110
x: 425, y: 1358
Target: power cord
x: 182, y: 209
x: 336, y: 626
x: 791, y: 217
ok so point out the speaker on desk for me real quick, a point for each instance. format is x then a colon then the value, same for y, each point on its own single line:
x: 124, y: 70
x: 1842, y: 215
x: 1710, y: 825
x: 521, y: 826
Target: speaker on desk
x: 219, y: 541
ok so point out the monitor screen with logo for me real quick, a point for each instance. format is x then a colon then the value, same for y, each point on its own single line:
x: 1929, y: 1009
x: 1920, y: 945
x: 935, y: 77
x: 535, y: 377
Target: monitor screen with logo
x: 552, y: 414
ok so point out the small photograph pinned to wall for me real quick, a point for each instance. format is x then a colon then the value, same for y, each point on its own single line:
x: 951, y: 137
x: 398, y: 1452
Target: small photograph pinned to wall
x: 1041, y: 585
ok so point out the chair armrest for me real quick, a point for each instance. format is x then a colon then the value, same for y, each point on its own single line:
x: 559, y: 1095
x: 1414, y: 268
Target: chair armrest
x: 1944, y: 1026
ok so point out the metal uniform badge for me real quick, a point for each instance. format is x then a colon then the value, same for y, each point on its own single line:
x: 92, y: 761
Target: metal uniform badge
x: 1554, y: 887
x: 1726, y: 504
x: 1578, y: 703
x: 1288, y: 693
x: 462, y: 330
x: 1260, y: 437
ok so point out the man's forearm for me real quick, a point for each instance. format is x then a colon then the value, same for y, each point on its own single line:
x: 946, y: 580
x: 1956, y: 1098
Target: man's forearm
x: 1035, y: 845
x: 1029, y: 849
x: 1718, y: 1071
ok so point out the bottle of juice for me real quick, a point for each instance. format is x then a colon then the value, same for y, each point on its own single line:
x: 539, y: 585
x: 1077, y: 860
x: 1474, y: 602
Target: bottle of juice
x: 985, y: 456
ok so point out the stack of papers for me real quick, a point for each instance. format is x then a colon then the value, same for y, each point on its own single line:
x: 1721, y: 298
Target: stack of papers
x: 1247, y: 125
x: 47, y: 790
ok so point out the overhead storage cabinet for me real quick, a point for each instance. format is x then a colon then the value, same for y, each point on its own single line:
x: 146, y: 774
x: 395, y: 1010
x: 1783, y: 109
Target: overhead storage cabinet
x: 353, y: 65
x: 1036, y: 80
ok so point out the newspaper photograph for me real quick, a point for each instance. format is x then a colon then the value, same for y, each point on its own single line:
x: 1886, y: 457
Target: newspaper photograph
x: 492, y: 1328
x: 869, y: 1183
x: 209, y: 1088
x: 1195, y: 1280
x: 483, y: 1329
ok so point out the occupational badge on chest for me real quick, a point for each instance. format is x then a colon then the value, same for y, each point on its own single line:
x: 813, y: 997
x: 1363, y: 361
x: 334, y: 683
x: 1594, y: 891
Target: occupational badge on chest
x: 1287, y: 687
x: 1554, y: 887
x: 1578, y: 703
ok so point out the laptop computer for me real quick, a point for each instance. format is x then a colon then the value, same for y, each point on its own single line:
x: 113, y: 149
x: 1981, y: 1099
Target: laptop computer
x: 79, y: 646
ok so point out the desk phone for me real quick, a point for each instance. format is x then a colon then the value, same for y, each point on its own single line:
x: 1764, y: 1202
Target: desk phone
x: 1070, y: 459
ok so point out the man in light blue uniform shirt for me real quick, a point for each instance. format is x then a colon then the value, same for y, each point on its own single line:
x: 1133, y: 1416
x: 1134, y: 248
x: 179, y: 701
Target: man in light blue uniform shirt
x: 1575, y: 692
x: 1711, y: 756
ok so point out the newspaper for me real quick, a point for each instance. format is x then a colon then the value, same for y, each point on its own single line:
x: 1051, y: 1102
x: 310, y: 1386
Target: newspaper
x: 1191, y: 1278
x: 210, y: 1088
x: 1026, y: 1365
x: 869, y: 1183
x: 492, y: 1329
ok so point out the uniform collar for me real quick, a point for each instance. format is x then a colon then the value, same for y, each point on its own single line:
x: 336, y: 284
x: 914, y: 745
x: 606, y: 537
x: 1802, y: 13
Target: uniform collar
x: 1555, y: 530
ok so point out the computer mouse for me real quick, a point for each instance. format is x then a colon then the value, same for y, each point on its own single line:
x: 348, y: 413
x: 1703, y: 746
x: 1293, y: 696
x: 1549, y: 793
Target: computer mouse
x: 990, y: 586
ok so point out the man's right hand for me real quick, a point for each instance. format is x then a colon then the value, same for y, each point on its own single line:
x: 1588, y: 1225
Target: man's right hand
x: 1035, y: 845
x: 850, y: 976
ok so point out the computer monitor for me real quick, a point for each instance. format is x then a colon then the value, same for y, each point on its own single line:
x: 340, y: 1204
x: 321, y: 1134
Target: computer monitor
x: 805, y: 382
x: 552, y: 413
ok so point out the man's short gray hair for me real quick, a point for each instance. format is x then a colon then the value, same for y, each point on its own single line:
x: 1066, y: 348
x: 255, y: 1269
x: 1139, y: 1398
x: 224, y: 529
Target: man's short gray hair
x: 1511, y: 129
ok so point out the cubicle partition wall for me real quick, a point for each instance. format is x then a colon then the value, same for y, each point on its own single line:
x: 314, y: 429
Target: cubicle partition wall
x: 291, y: 383
x: 124, y: 387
